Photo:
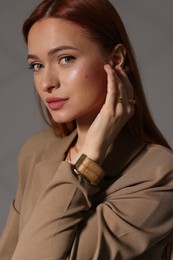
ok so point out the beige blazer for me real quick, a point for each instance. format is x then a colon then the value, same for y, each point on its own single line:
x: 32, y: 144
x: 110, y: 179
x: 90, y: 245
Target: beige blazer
x: 57, y: 214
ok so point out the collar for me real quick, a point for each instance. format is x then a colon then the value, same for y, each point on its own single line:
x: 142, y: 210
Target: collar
x: 57, y: 150
x: 124, y: 149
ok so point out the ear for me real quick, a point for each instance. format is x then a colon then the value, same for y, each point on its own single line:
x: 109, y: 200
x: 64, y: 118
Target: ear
x: 118, y: 56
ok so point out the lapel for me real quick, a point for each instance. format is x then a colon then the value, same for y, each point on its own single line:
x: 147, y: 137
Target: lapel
x: 42, y: 174
x: 56, y: 152
x: 45, y: 169
x: 125, y: 148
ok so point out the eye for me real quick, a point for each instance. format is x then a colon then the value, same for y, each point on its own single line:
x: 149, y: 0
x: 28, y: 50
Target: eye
x: 35, y: 66
x: 67, y: 59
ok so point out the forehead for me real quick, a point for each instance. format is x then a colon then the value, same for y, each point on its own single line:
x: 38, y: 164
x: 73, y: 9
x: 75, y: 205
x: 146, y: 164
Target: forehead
x: 53, y: 31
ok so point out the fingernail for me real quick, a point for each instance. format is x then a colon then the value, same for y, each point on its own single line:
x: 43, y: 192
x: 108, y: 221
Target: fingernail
x: 107, y: 66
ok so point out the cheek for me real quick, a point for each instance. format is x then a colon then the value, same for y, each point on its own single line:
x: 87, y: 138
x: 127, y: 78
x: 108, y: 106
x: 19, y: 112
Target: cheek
x: 93, y: 89
x: 88, y: 77
x: 96, y: 81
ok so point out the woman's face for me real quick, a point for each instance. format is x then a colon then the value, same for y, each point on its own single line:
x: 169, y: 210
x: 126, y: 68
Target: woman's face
x: 68, y: 70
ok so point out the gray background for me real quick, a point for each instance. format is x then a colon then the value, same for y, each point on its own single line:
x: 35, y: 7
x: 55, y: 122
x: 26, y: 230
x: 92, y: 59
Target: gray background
x: 149, y: 24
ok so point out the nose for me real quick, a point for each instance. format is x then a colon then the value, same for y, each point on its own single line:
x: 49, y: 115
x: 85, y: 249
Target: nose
x: 49, y: 80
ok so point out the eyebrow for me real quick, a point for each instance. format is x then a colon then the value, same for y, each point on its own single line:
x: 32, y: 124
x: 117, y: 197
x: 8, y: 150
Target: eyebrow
x: 53, y: 51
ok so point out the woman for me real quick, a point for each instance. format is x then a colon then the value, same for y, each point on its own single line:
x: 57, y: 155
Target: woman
x: 98, y: 184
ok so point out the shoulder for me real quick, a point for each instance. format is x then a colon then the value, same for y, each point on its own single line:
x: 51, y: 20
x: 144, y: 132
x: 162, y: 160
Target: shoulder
x: 39, y: 143
x: 40, y: 140
x: 34, y: 149
x: 32, y: 153
x: 152, y: 167
x: 160, y: 150
x: 157, y: 156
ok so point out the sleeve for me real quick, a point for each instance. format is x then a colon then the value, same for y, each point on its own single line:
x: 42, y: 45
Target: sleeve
x: 10, y: 234
x: 134, y: 225
x: 50, y: 231
x: 9, y: 237
x: 135, y: 221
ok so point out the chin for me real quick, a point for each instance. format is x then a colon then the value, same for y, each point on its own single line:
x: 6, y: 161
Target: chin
x: 62, y: 120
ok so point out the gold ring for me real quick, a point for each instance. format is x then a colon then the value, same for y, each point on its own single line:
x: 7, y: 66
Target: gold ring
x: 132, y: 101
x: 120, y: 100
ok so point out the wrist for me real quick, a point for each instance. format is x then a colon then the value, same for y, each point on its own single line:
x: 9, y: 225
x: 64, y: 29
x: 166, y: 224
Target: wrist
x: 89, y: 169
x: 97, y: 155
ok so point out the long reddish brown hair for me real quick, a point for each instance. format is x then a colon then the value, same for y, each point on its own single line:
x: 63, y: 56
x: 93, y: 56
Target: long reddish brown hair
x: 104, y: 26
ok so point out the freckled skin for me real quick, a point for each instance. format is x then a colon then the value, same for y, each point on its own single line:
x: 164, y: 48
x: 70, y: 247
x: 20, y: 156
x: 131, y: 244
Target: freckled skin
x: 83, y: 81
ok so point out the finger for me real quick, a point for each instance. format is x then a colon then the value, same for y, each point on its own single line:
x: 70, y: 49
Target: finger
x: 116, y: 90
x: 127, y: 91
x: 116, y: 100
x: 117, y: 96
x: 112, y: 86
x: 127, y: 84
x: 130, y: 108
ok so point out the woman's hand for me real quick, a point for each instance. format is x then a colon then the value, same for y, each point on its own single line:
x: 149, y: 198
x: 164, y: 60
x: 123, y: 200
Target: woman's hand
x: 114, y: 114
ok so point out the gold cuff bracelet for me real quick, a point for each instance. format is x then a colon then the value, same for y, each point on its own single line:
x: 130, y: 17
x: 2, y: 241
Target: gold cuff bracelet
x: 89, y: 169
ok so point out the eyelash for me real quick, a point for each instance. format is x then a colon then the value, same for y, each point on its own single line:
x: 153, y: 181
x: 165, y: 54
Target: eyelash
x: 70, y: 57
x: 31, y: 66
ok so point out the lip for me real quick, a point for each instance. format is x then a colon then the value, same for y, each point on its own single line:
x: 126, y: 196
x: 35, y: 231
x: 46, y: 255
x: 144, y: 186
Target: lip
x: 55, y: 103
